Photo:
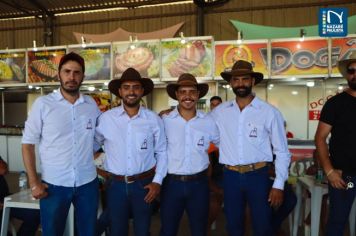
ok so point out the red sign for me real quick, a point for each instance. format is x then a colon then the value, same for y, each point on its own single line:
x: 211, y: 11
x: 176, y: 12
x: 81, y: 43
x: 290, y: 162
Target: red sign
x: 314, y: 114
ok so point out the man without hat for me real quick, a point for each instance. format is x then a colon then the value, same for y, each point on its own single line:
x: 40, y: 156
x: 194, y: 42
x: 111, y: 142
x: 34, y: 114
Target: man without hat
x: 251, y: 131
x: 62, y: 124
x: 136, y: 159
x: 338, y: 160
x: 189, y: 133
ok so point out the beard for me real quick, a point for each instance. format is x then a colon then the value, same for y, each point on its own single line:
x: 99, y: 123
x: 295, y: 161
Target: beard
x: 242, y: 93
x: 352, y: 84
x: 130, y: 102
x: 72, y: 87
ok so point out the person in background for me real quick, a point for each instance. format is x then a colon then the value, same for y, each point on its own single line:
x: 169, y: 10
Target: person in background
x: 136, y: 159
x: 30, y: 217
x: 251, y: 132
x: 63, y: 124
x: 189, y: 133
x: 338, y: 160
x: 215, y: 173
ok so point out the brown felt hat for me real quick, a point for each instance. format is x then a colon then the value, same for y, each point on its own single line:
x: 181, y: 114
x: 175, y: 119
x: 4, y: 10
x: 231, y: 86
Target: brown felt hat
x: 131, y: 74
x: 343, y: 64
x: 187, y: 79
x: 242, y: 67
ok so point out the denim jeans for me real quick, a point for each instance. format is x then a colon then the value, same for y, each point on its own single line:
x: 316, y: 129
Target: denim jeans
x: 339, y: 209
x: 177, y: 196
x: 54, y: 208
x: 252, y: 188
x: 125, y: 200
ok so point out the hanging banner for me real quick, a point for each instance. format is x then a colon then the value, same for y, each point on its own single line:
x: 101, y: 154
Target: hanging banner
x: 43, y: 64
x: 97, y: 59
x: 341, y: 50
x: 228, y: 52
x: 292, y: 57
x: 12, y: 66
x: 187, y: 55
x: 144, y: 56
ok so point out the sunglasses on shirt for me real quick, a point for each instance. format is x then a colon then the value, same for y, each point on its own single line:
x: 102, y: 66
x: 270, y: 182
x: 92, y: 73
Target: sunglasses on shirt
x: 351, y: 70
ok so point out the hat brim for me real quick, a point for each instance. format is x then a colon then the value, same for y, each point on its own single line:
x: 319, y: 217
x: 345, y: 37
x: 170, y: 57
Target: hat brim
x: 115, y: 84
x: 172, y: 88
x: 343, y: 64
x: 227, y: 75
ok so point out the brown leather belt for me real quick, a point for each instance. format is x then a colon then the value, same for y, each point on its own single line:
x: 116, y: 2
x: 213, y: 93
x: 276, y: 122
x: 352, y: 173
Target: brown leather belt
x: 246, y: 168
x: 133, y: 178
x: 188, y: 177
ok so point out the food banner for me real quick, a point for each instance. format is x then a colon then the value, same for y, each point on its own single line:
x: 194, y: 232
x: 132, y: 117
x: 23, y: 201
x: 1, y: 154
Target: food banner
x: 292, y: 57
x: 187, y: 55
x: 97, y: 59
x: 228, y: 52
x: 12, y: 66
x: 144, y: 56
x: 341, y: 48
x: 43, y: 64
x: 103, y: 100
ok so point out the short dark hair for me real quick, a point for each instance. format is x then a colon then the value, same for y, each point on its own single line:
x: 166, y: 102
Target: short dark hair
x: 215, y: 98
x: 72, y: 57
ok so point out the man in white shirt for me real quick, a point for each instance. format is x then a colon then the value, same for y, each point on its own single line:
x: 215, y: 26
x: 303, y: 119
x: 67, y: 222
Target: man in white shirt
x: 136, y: 159
x: 251, y: 131
x: 189, y: 133
x: 62, y: 124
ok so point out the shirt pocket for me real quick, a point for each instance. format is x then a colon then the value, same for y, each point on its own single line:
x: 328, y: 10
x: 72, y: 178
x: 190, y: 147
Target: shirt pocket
x: 144, y: 141
x: 254, y: 133
x: 201, y: 141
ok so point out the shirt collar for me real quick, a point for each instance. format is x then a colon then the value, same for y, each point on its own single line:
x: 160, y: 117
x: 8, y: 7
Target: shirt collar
x: 58, y: 96
x: 141, y: 111
x: 256, y: 103
x: 175, y: 113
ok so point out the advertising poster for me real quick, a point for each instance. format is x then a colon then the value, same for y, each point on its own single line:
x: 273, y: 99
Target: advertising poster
x: 144, y: 56
x: 12, y: 66
x: 97, y: 60
x: 43, y: 65
x: 297, y: 58
x: 341, y: 48
x: 194, y: 55
x: 103, y: 100
x: 228, y: 52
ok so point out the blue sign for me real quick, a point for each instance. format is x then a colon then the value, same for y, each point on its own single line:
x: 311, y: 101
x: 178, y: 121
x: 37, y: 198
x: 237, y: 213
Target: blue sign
x: 333, y: 22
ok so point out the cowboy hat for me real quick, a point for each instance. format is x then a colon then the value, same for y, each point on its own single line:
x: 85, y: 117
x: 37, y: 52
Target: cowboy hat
x: 130, y: 74
x: 242, y: 67
x: 343, y: 64
x: 187, y: 79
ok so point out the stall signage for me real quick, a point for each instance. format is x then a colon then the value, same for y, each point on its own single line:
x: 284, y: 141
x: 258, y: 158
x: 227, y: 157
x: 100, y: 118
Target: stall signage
x: 12, y: 67
x: 333, y: 22
x: 342, y: 48
x: 295, y: 58
x: 228, y: 52
x: 314, y: 114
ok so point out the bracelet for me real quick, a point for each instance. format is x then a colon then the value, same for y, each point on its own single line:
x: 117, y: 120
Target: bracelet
x: 329, y: 172
x: 33, y: 188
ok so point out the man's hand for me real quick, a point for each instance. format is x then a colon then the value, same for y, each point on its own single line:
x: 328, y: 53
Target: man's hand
x: 335, y: 179
x: 39, y: 190
x: 275, y: 197
x: 153, y: 191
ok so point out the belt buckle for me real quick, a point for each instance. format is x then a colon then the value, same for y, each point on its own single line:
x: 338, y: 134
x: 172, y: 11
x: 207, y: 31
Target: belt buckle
x: 127, y: 180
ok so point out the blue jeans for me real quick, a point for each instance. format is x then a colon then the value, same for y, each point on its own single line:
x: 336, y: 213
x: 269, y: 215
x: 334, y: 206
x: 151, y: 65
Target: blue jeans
x: 340, y: 205
x: 124, y: 200
x: 54, y: 208
x: 252, y: 188
x: 177, y: 196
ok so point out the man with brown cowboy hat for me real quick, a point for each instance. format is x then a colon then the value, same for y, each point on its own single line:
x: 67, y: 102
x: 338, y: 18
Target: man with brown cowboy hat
x: 189, y: 133
x: 136, y: 159
x: 338, y: 118
x: 251, y: 132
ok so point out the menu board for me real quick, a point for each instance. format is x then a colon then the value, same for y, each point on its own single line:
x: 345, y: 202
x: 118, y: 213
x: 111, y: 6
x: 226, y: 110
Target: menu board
x: 43, y: 65
x: 341, y: 49
x: 194, y: 56
x: 12, y: 66
x: 144, y: 56
x: 307, y: 58
x: 228, y: 52
x: 97, y: 61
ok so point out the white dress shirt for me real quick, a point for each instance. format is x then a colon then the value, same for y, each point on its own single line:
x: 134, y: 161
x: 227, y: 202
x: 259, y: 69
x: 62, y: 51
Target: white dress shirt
x: 65, y: 134
x: 133, y: 145
x: 188, y: 142
x: 248, y: 136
